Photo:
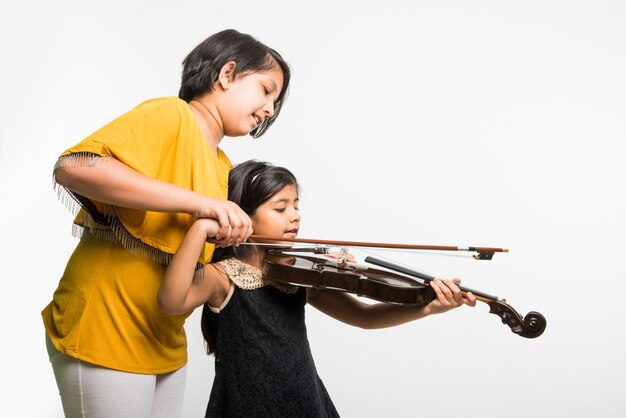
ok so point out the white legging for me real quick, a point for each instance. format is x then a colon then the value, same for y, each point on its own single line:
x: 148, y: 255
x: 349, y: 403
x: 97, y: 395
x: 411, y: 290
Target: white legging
x: 91, y: 391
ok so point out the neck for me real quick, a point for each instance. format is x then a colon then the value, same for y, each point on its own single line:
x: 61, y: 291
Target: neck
x: 257, y: 258
x: 209, y: 121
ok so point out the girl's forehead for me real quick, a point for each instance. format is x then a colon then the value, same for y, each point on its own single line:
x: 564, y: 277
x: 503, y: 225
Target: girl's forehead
x: 290, y: 192
x: 274, y: 75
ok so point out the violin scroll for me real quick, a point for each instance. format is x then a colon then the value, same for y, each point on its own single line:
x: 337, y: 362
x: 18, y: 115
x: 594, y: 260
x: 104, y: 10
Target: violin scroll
x: 531, y: 326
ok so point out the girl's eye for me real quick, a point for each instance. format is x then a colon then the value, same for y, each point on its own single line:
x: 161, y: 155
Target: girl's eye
x: 267, y: 91
x: 280, y: 210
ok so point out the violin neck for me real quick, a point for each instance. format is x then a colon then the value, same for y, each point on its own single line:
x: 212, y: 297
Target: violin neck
x: 426, y: 277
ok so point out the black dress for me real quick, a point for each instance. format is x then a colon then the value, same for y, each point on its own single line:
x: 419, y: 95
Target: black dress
x: 263, y: 362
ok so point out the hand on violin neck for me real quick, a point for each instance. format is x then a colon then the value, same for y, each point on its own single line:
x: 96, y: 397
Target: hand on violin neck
x: 449, y: 296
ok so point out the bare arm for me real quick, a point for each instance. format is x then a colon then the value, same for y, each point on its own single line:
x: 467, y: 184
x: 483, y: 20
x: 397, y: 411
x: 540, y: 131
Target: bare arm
x: 113, y: 182
x: 178, y: 292
x: 352, y: 311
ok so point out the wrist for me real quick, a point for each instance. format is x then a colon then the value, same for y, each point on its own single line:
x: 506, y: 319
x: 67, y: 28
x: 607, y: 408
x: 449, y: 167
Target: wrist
x: 195, y: 205
x: 206, y: 227
x: 427, y: 310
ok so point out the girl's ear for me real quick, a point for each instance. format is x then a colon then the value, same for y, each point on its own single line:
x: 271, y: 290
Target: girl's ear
x: 226, y: 74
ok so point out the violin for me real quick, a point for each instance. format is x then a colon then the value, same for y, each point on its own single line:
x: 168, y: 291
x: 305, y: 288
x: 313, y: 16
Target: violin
x: 326, y: 273
x: 398, y: 286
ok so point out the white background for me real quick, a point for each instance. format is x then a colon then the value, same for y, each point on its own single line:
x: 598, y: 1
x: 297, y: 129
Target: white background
x: 492, y: 123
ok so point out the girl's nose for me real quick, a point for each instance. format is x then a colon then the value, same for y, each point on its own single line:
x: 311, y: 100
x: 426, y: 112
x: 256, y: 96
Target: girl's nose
x: 269, y: 109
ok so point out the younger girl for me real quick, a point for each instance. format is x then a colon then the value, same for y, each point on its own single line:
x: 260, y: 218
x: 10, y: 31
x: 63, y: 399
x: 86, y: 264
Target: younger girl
x: 255, y: 327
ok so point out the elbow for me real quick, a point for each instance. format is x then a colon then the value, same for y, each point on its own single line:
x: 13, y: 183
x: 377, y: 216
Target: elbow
x: 61, y: 176
x: 66, y: 178
x: 371, y: 317
x: 367, y: 325
x: 171, y: 311
x: 163, y: 306
x: 363, y: 321
x: 167, y: 307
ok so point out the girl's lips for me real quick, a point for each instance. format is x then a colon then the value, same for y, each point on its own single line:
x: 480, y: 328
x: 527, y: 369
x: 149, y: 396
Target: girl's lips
x: 257, y: 119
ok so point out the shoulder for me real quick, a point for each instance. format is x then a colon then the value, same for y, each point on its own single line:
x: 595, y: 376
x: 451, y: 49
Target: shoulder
x: 244, y: 275
x: 161, y: 111
x: 172, y: 102
x: 163, y: 107
x: 155, y: 117
x: 249, y: 277
x: 217, y: 282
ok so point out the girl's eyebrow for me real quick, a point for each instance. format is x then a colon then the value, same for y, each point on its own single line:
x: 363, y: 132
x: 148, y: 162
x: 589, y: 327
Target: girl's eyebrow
x: 285, y: 200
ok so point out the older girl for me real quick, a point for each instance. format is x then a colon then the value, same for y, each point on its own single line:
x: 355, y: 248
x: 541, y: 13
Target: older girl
x: 139, y: 182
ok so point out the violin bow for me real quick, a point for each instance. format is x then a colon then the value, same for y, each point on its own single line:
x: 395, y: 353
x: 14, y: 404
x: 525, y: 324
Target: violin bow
x: 482, y: 253
x: 530, y: 326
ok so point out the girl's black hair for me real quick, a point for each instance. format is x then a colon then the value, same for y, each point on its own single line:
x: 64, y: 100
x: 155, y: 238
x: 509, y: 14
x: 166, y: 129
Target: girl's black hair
x: 201, y: 68
x: 250, y: 184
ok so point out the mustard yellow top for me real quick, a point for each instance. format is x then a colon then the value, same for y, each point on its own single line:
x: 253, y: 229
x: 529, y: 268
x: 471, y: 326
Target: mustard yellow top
x: 104, y: 310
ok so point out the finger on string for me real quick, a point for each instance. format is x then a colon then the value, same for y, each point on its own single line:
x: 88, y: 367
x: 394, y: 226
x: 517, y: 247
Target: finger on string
x: 436, y: 285
x: 469, y: 299
x: 456, y: 293
x: 447, y: 290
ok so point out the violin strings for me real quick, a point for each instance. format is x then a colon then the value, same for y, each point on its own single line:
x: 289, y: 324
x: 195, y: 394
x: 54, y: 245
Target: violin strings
x: 400, y: 264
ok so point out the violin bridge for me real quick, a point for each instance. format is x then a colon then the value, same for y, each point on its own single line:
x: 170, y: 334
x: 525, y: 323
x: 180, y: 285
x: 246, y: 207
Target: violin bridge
x: 343, y: 257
